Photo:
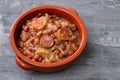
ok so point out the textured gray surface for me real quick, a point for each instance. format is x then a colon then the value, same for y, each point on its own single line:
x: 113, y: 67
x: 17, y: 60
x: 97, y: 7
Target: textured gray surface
x: 101, y: 57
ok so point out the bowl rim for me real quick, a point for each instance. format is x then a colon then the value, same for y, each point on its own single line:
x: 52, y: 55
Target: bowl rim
x: 60, y: 63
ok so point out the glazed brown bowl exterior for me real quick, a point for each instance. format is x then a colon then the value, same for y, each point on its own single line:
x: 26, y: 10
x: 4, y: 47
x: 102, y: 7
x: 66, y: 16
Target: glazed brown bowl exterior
x: 67, y: 13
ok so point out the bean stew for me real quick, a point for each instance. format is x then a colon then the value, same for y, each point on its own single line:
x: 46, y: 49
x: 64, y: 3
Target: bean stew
x: 48, y: 38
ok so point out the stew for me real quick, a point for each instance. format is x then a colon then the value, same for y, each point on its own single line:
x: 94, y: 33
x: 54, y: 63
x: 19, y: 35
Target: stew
x: 48, y: 38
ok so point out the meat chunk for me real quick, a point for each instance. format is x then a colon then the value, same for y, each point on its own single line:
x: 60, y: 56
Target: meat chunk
x: 46, y: 41
x: 64, y: 34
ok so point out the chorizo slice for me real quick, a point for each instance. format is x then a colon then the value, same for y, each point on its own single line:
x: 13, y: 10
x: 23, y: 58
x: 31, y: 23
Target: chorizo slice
x: 46, y: 41
x: 39, y: 23
x: 64, y: 34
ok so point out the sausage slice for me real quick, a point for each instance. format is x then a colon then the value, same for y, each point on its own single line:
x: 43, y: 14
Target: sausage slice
x: 46, y: 41
x: 64, y: 34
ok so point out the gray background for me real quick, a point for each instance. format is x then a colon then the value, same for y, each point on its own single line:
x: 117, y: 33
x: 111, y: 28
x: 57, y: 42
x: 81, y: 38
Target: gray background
x: 101, y: 57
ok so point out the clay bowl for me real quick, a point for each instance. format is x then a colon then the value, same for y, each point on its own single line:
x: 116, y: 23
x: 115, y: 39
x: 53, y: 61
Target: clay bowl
x: 67, y: 13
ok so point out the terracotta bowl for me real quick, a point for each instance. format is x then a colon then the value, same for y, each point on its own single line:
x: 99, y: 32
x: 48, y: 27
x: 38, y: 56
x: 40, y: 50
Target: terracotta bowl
x: 67, y: 13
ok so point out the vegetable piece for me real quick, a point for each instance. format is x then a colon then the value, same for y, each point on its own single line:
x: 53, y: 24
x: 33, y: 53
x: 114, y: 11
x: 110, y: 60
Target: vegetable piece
x: 61, y: 50
x: 41, y: 51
